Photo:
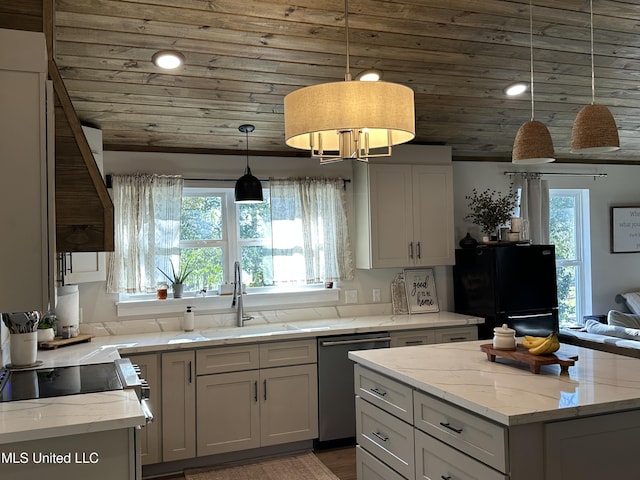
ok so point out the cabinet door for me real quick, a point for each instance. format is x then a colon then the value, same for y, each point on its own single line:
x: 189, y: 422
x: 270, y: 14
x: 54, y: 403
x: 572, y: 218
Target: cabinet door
x: 289, y: 404
x: 26, y: 182
x: 228, y: 412
x: 413, y: 337
x: 391, y: 216
x: 433, y: 238
x: 178, y: 405
x: 150, y: 370
x: 456, y: 334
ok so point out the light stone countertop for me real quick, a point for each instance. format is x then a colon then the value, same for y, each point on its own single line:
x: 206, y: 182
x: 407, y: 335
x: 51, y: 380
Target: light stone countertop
x: 51, y: 417
x: 506, y: 391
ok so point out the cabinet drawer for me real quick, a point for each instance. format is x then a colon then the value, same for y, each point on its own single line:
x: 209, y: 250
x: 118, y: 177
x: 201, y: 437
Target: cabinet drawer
x: 227, y: 359
x: 369, y: 467
x: 280, y: 354
x: 386, y: 437
x: 458, y: 334
x: 413, y: 337
x: 389, y: 395
x: 435, y: 460
x: 469, y: 433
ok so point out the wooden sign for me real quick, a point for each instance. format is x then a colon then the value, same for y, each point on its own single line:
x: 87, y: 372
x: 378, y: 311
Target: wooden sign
x: 421, y: 290
x: 625, y: 229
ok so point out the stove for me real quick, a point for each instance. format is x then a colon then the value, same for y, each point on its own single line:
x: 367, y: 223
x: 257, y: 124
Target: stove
x: 36, y: 383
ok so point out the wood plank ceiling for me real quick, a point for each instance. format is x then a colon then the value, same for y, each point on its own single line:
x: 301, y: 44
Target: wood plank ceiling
x: 243, y: 57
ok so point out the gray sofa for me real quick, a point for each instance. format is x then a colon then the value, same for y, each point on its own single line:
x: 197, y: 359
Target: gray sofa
x: 620, y: 334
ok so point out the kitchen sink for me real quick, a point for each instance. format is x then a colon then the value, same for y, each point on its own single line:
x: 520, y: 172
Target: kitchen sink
x: 249, y: 331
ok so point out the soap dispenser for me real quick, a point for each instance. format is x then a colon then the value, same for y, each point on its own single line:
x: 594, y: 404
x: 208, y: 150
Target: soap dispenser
x: 188, y: 320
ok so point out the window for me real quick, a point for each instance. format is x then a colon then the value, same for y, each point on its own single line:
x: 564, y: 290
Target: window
x: 215, y: 232
x: 569, y: 231
x: 162, y: 224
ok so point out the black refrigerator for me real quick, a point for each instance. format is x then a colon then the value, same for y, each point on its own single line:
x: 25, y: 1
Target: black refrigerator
x: 513, y: 284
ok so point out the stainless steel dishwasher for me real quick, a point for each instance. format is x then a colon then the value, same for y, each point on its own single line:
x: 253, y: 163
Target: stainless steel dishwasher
x: 336, y: 398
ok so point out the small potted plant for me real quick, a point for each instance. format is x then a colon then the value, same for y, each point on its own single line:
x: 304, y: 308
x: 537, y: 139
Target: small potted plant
x: 47, y: 327
x: 490, y: 209
x: 177, y: 278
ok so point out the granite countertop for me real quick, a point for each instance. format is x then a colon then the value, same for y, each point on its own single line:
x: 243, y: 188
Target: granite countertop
x: 506, y: 391
x: 51, y: 417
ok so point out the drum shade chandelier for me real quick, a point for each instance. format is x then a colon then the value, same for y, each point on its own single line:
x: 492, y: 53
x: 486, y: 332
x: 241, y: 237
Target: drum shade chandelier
x: 248, y: 188
x: 594, y: 130
x: 533, y: 142
x: 351, y: 119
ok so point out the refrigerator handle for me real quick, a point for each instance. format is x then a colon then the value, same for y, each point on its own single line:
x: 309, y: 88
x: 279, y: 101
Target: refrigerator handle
x: 531, y: 316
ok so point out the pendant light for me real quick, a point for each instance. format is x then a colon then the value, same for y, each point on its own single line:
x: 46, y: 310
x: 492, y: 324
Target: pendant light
x: 594, y: 130
x: 533, y: 142
x: 248, y: 187
x: 351, y: 119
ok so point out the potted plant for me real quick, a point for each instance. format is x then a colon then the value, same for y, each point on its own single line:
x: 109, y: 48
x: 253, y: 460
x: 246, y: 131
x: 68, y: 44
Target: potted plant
x: 47, y: 327
x: 177, y: 278
x: 490, y: 209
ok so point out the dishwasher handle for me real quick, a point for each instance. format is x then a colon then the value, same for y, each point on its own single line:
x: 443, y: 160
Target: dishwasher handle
x: 333, y: 343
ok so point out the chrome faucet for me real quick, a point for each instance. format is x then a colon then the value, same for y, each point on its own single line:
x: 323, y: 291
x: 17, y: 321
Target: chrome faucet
x: 237, y: 296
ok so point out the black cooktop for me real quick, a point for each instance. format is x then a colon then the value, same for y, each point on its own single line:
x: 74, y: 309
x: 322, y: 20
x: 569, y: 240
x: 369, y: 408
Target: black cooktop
x: 58, y: 381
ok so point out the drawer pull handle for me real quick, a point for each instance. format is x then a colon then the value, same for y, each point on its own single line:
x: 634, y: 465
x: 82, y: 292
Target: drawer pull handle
x: 451, y: 427
x: 445, y: 478
x: 413, y: 342
x: 384, y: 439
x: 378, y: 392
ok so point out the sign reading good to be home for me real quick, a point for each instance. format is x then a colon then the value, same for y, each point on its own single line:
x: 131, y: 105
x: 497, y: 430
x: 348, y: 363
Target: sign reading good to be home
x: 625, y: 229
x: 421, y: 290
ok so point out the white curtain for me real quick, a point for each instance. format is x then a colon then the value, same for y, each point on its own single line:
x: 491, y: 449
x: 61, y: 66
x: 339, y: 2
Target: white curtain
x: 147, y: 231
x: 534, y: 206
x: 309, y: 228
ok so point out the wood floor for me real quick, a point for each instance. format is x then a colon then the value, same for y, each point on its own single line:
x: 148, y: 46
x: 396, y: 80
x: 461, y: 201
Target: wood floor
x: 341, y: 461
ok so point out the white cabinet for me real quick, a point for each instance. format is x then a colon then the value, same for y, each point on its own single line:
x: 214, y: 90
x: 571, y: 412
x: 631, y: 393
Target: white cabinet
x: 150, y: 370
x: 26, y: 182
x: 178, y: 405
x: 251, y: 396
x: 407, y: 338
x: 404, y: 215
x: 82, y: 267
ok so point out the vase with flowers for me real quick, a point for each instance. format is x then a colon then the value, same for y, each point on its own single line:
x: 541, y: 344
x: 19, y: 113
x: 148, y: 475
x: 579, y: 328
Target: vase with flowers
x: 491, y: 209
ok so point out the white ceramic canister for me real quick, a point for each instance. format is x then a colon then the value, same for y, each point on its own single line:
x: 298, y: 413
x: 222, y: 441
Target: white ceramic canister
x: 23, y: 348
x: 504, y: 338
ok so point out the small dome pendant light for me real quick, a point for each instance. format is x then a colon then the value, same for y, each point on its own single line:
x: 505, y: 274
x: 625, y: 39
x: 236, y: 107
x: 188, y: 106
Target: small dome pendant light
x: 248, y: 188
x: 533, y: 142
x: 594, y: 130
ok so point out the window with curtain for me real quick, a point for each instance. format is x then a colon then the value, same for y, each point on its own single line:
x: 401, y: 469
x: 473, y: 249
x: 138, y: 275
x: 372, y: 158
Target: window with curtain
x: 298, y: 236
x: 147, y: 211
x: 309, y: 225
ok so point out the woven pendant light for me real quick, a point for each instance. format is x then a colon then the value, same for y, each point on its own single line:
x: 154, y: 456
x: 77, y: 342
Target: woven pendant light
x: 533, y: 142
x: 594, y: 130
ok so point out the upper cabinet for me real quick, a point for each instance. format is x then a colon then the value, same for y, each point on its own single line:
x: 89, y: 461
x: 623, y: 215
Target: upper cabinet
x: 26, y: 182
x: 404, y: 215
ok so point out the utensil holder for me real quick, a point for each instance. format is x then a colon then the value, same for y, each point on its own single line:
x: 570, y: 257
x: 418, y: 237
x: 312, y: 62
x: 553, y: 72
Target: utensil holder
x: 23, y: 348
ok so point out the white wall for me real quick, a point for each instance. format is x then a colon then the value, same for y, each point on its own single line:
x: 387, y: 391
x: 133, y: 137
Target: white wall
x: 612, y: 273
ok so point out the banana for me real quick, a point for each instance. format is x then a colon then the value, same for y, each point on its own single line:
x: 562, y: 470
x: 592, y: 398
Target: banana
x: 548, y: 346
x: 532, y: 342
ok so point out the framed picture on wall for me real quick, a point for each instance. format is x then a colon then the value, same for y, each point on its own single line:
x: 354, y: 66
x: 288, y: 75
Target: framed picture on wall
x: 625, y: 229
x: 420, y: 284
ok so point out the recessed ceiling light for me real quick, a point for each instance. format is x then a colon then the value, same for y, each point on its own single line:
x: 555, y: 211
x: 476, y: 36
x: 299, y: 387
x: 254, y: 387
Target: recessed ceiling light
x: 369, y: 76
x: 517, y: 88
x: 168, y: 59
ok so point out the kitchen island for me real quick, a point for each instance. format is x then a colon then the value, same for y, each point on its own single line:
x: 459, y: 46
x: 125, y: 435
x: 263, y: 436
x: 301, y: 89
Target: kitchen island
x: 445, y: 411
